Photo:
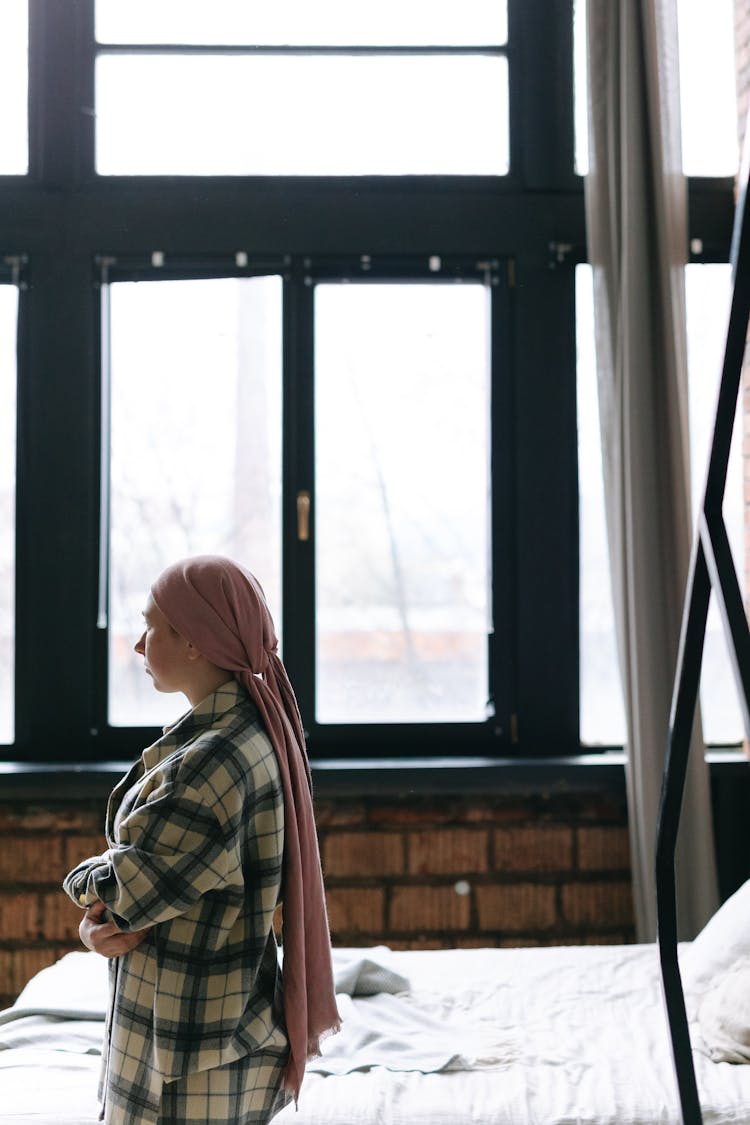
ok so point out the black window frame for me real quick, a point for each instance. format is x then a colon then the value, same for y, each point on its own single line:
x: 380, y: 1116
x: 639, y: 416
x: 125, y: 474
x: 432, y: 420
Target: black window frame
x: 65, y: 219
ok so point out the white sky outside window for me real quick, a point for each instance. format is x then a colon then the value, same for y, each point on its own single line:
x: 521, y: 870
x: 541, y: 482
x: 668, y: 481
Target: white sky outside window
x: 301, y: 115
x: 708, y: 94
x: 708, y: 290
x: 402, y: 385
x: 14, y: 79
x: 708, y: 294
x: 195, y: 452
x: 8, y: 375
x: 303, y: 23
x: 602, y: 714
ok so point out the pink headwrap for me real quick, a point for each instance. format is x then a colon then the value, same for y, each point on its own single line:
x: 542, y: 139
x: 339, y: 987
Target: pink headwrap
x: 220, y: 607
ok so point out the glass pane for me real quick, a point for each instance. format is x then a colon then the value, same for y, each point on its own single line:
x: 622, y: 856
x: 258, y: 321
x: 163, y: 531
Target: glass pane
x: 195, y: 451
x: 580, y: 88
x: 14, y: 82
x: 301, y: 115
x: 708, y: 292
x: 707, y: 88
x: 8, y: 375
x: 301, y: 22
x: 402, y: 386
x: 708, y: 72
x: 602, y: 714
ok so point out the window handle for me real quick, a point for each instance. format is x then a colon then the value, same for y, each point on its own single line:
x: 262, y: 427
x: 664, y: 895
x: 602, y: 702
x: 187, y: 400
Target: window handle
x: 303, y: 516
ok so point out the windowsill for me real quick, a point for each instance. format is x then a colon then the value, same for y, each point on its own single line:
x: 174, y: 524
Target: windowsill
x: 387, y: 777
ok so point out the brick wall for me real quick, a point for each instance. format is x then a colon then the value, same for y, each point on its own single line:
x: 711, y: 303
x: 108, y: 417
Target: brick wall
x: 38, y: 923
x: 416, y: 873
x: 421, y: 873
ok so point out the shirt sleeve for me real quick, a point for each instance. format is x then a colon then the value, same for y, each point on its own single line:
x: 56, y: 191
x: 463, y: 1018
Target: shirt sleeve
x: 171, y: 852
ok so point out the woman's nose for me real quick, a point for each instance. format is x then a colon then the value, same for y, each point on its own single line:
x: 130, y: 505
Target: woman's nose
x: 139, y: 645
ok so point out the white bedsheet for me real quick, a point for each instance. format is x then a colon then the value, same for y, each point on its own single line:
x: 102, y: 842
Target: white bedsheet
x: 567, y: 1036
x: 586, y: 1042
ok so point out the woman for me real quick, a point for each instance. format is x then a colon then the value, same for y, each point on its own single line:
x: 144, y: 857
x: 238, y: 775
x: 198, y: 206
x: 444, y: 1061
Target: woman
x: 203, y: 833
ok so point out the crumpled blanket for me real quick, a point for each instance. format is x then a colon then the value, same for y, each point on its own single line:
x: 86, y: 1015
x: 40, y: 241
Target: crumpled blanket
x: 384, y: 1023
x: 402, y: 1033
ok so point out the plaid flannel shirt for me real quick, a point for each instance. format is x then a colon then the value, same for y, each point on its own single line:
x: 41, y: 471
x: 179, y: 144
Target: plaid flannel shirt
x: 195, y: 836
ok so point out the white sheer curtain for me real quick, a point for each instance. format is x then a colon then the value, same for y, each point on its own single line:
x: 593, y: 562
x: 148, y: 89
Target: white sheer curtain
x: 636, y: 211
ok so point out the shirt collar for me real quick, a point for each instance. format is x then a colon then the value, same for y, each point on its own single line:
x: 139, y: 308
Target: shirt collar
x: 204, y: 714
x: 210, y: 708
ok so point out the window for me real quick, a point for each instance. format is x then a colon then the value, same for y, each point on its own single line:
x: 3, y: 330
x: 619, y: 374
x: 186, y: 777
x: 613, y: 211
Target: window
x: 327, y: 89
x: 14, y: 148
x: 708, y: 294
x: 708, y: 107
x: 403, y: 591
x: 708, y: 291
x: 387, y: 306
x: 393, y: 525
x: 8, y: 319
x: 709, y: 138
x: 195, y: 449
x: 602, y: 707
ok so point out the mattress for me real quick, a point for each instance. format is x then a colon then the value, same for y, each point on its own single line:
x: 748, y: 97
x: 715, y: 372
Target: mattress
x: 553, y: 1036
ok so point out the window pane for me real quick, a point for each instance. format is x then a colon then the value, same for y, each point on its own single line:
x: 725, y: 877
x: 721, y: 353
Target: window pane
x: 602, y: 714
x: 301, y: 22
x: 707, y: 88
x: 14, y: 81
x: 301, y: 115
x: 195, y: 451
x: 708, y: 292
x: 402, y: 378
x: 580, y: 88
x: 8, y: 321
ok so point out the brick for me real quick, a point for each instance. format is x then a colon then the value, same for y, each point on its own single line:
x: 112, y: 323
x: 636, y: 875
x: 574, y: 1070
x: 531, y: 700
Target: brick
x: 421, y: 943
x: 605, y: 848
x: 473, y: 943
x: 33, y: 818
x: 18, y: 966
x: 363, y: 853
x: 31, y: 859
x: 19, y: 915
x: 516, y: 907
x: 598, y: 904
x: 446, y: 851
x: 60, y: 918
x: 492, y: 813
x: 621, y: 937
x: 533, y: 848
x: 78, y: 848
x: 428, y: 908
x: 330, y: 815
x: 411, y: 814
x: 353, y: 910
x: 521, y: 943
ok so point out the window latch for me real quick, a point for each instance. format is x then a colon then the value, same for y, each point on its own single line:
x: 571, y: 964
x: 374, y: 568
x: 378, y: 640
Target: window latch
x: 303, y: 516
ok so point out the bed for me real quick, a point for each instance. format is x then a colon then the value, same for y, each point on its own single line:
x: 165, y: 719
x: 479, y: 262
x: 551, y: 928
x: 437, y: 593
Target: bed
x: 553, y: 1036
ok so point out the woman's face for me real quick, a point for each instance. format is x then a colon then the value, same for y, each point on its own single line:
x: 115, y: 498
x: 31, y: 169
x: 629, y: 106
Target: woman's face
x: 166, y: 655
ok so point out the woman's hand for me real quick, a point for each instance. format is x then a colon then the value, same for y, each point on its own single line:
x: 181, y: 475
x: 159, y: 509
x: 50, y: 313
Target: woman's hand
x: 104, y: 937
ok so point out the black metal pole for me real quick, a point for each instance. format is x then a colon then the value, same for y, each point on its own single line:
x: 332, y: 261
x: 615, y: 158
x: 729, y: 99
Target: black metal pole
x: 711, y: 567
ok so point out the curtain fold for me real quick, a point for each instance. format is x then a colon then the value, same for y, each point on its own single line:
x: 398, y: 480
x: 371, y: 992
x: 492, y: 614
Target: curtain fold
x: 636, y: 215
